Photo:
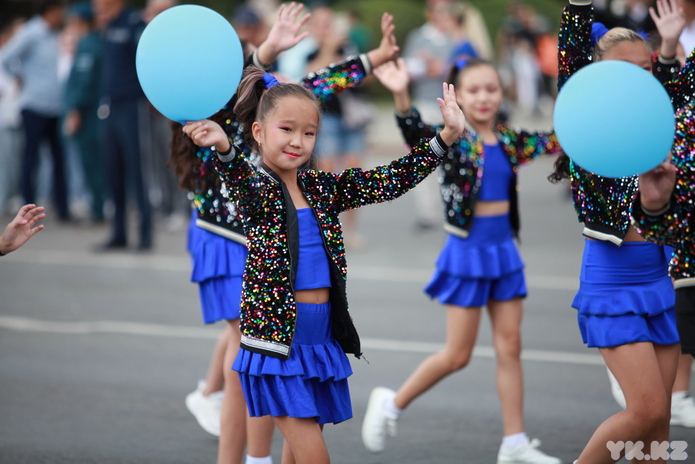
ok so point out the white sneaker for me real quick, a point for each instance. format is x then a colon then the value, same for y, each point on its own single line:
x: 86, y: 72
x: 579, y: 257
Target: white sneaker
x: 525, y: 454
x: 206, y: 409
x: 617, y: 392
x: 378, y: 423
x: 683, y: 412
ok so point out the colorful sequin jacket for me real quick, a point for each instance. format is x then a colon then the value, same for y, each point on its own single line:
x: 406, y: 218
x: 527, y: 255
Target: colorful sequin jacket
x: 461, y: 172
x: 217, y: 212
x: 601, y: 203
x: 676, y: 226
x: 268, y: 310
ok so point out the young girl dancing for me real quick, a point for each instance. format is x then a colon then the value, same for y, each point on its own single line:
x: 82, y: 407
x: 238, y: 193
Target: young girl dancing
x: 217, y: 242
x: 480, y: 264
x: 625, y: 302
x: 295, y: 324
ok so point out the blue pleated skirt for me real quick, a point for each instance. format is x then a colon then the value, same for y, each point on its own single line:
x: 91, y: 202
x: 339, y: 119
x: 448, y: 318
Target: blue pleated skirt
x: 311, y: 383
x: 218, y: 269
x: 625, y: 295
x: 484, y: 266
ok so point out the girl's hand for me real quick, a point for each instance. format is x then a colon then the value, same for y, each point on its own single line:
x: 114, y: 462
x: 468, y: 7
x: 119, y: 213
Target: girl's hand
x: 670, y: 22
x: 388, y: 48
x: 206, y: 133
x: 454, y: 120
x: 393, y: 75
x: 21, y: 228
x: 656, y: 186
x: 285, y: 32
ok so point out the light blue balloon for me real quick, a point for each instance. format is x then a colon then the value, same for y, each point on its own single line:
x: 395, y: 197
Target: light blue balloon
x: 189, y: 62
x: 614, y: 119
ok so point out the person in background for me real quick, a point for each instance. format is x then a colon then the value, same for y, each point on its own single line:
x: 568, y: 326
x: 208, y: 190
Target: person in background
x: 81, y: 104
x: 10, y: 124
x: 32, y: 57
x: 122, y: 110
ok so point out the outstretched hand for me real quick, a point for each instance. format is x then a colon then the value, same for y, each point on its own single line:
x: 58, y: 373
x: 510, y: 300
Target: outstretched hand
x: 454, y: 120
x: 206, y: 133
x: 388, y: 47
x: 21, y: 228
x: 657, y: 185
x: 393, y: 75
x: 669, y: 19
x: 285, y: 32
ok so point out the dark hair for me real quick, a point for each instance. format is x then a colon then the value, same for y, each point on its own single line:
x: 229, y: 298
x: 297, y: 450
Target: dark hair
x: 255, y: 102
x: 464, y: 65
x: 47, y: 5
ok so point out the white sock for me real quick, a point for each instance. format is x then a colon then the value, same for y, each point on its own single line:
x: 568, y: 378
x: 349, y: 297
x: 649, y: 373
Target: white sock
x: 265, y: 460
x: 391, y: 407
x: 677, y: 396
x: 513, y: 441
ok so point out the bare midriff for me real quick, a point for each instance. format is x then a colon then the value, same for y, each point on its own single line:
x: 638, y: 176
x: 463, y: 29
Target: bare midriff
x: 491, y: 208
x: 312, y: 296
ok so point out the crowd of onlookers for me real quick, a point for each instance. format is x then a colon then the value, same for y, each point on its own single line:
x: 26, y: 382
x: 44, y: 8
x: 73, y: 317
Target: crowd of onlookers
x: 77, y: 132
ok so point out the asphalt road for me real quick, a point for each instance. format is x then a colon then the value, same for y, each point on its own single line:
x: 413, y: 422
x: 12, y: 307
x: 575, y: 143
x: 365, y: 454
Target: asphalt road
x: 97, y: 352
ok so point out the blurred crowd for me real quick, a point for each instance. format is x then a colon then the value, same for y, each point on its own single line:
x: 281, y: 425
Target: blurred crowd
x: 77, y: 133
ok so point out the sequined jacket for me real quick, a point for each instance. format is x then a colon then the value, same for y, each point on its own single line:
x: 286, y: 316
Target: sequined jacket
x: 217, y: 212
x: 461, y: 172
x: 676, y: 226
x: 268, y: 310
x: 602, y: 203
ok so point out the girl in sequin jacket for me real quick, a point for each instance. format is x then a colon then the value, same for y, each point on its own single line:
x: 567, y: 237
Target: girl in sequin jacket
x: 480, y: 264
x: 296, y: 328
x: 664, y: 212
x: 216, y: 239
x: 625, y: 302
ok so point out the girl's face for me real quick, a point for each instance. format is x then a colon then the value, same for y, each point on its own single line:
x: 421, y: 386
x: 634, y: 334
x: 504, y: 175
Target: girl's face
x: 479, y: 94
x: 632, y: 52
x: 287, y: 136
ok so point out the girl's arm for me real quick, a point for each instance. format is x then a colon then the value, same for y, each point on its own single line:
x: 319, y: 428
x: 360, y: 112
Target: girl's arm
x: 326, y: 83
x: 574, y: 39
x: 356, y: 187
x: 283, y: 35
x: 530, y: 145
x: 394, y: 76
x: 670, y: 22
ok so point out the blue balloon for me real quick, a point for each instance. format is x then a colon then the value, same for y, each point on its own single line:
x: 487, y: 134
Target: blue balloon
x: 189, y: 62
x: 614, y: 119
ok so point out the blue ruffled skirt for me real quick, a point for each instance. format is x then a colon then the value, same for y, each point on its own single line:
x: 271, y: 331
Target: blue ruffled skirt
x: 625, y: 295
x: 218, y: 269
x: 311, y: 383
x: 486, y: 265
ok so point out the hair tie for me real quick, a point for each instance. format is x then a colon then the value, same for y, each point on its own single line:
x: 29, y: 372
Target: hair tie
x: 269, y: 80
x: 461, y: 63
x: 598, y: 30
x: 643, y: 34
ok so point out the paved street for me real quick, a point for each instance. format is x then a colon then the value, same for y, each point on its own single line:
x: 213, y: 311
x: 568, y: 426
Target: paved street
x: 97, y: 351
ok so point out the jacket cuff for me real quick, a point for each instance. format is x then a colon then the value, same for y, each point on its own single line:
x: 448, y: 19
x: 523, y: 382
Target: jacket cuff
x: 438, y: 146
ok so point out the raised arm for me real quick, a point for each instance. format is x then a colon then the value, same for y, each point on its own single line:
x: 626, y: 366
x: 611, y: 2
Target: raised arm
x: 284, y: 34
x: 574, y: 40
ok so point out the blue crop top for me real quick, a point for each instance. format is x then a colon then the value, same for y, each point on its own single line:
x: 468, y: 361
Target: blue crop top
x: 313, y: 270
x: 497, y: 175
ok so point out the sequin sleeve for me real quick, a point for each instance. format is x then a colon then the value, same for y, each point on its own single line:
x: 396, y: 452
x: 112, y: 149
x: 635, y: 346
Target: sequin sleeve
x: 530, y: 145
x: 239, y: 175
x: 356, y: 187
x: 574, y: 41
x: 678, y: 82
x: 413, y: 128
x: 677, y: 224
x: 327, y: 82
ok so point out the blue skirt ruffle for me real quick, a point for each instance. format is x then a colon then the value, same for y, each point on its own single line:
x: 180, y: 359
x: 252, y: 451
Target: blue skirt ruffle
x: 218, y: 269
x: 311, y: 383
x: 625, y: 295
x: 485, y: 265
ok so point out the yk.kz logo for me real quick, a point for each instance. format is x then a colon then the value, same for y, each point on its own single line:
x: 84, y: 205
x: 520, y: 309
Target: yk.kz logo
x: 657, y: 450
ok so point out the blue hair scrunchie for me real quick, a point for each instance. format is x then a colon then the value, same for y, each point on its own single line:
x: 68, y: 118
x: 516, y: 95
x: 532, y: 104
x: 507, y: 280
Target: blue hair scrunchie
x: 598, y: 30
x: 269, y: 80
x: 461, y: 63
